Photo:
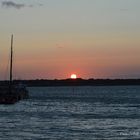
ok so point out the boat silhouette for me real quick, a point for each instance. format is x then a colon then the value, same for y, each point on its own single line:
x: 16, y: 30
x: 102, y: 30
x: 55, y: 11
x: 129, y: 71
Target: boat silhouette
x: 11, y: 93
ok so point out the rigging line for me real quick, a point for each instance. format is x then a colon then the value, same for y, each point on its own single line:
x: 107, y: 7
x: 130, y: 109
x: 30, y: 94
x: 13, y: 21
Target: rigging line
x: 0, y: 65
x: 14, y: 72
x: 6, y: 74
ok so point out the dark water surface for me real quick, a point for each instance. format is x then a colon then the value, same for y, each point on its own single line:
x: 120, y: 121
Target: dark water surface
x: 74, y: 113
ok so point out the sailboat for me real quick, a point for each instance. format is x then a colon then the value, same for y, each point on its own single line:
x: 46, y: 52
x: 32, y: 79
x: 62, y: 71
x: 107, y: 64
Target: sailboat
x: 11, y: 93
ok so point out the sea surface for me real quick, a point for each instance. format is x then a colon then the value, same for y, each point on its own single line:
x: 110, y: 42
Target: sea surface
x: 74, y: 113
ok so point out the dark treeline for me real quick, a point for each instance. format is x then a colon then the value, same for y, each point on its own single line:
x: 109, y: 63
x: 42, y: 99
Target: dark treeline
x: 76, y: 82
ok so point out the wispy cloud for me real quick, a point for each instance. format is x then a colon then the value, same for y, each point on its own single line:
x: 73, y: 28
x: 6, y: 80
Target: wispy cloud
x: 11, y: 4
x: 124, y: 9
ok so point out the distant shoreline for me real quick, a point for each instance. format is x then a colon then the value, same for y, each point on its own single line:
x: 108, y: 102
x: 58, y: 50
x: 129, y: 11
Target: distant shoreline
x: 76, y: 82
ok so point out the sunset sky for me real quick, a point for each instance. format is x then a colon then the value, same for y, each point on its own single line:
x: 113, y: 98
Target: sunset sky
x: 55, y: 38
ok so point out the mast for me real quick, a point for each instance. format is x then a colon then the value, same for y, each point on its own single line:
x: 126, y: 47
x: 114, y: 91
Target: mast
x: 11, y: 62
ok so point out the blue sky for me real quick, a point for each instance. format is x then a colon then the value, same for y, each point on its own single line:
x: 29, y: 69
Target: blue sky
x: 63, y: 14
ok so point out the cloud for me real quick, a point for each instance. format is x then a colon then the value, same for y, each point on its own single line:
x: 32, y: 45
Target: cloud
x: 10, y: 4
x: 124, y: 10
x: 40, y: 4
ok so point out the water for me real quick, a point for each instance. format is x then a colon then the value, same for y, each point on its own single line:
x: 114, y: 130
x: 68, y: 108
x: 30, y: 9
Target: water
x: 74, y: 113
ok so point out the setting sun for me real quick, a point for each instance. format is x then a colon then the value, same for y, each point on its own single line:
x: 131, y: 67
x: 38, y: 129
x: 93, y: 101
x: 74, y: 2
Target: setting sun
x: 73, y: 76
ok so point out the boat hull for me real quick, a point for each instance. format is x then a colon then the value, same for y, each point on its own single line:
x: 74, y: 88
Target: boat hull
x: 14, y: 96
